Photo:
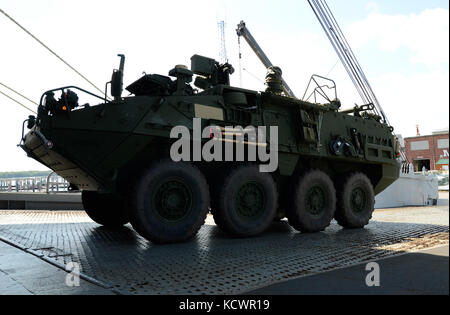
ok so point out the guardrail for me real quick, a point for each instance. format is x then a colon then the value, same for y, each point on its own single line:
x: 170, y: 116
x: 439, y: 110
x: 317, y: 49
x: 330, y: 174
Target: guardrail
x: 49, y: 184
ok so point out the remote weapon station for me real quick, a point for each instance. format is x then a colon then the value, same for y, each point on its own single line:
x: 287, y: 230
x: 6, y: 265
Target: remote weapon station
x: 331, y: 162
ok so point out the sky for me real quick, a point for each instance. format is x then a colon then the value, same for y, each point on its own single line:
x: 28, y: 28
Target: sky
x: 402, y: 46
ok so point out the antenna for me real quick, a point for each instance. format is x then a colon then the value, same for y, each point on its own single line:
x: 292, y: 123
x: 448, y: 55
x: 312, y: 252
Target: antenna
x: 223, y: 48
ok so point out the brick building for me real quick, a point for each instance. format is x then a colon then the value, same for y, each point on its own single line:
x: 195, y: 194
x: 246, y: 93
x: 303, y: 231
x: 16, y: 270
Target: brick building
x: 431, y: 152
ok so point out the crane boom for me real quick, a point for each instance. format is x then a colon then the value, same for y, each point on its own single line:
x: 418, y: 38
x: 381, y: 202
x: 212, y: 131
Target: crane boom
x: 243, y: 31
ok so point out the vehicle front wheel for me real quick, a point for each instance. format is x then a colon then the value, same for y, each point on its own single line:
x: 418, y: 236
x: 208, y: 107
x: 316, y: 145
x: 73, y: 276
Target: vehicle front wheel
x: 105, y: 209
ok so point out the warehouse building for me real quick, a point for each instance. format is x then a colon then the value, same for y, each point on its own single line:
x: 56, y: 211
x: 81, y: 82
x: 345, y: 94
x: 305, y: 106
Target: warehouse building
x: 429, y: 152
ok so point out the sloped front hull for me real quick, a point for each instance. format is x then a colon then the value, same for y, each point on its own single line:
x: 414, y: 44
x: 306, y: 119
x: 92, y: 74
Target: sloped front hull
x: 35, y: 148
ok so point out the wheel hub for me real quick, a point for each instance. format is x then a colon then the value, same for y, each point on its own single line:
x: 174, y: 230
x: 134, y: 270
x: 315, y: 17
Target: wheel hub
x: 358, y: 200
x: 172, y: 200
x: 315, y: 200
x: 250, y: 200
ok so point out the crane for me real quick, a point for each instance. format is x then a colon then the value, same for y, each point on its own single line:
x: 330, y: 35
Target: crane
x: 346, y: 55
x: 243, y: 31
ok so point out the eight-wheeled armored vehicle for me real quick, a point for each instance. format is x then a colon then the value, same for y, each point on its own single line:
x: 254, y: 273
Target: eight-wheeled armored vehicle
x: 330, y: 162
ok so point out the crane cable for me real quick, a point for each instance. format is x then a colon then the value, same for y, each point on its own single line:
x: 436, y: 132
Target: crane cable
x: 51, y: 51
x: 332, y: 68
x: 14, y: 100
x: 346, y: 55
x: 240, y: 62
x: 254, y: 76
x: 19, y: 94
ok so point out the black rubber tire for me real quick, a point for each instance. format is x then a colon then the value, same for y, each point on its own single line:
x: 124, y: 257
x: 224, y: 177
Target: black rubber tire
x: 301, y: 217
x: 150, y: 217
x: 105, y: 209
x: 345, y: 215
x: 228, y: 216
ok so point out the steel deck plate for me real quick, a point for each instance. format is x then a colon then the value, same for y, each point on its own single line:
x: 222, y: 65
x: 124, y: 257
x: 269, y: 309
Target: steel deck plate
x: 214, y: 263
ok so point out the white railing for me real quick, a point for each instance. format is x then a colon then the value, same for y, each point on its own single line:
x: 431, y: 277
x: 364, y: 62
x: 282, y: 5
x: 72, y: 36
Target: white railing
x: 49, y: 184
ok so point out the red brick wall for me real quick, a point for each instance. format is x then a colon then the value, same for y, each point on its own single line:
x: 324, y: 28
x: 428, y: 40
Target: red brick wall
x: 434, y: 154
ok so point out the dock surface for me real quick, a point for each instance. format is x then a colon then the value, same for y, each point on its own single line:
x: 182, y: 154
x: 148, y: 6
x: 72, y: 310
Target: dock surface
x: 122, y: 262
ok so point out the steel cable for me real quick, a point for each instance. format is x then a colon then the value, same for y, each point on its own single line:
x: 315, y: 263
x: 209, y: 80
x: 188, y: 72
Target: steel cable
x: 51, y: 51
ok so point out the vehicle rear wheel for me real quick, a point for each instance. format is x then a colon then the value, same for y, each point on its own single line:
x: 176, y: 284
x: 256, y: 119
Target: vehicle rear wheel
x: 105, y: 209
x: 313, y: 203
x: 279, y: 215
x: 170, y: 202
x: 245, y: 203
x: 356, y: 202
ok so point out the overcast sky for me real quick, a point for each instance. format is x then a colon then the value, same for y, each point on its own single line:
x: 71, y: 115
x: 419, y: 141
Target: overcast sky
x: 402, y: 45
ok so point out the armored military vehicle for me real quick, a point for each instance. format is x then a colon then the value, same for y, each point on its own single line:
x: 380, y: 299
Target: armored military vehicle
x: 331, y: 162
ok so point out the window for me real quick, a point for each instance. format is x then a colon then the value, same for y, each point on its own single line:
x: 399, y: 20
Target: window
x: 442, y: 144
x: 420, y: 145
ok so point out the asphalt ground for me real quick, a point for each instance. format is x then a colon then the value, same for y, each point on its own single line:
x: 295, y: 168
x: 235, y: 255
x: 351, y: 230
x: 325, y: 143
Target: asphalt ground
x: 421, y: 273
x: 24, y: 274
